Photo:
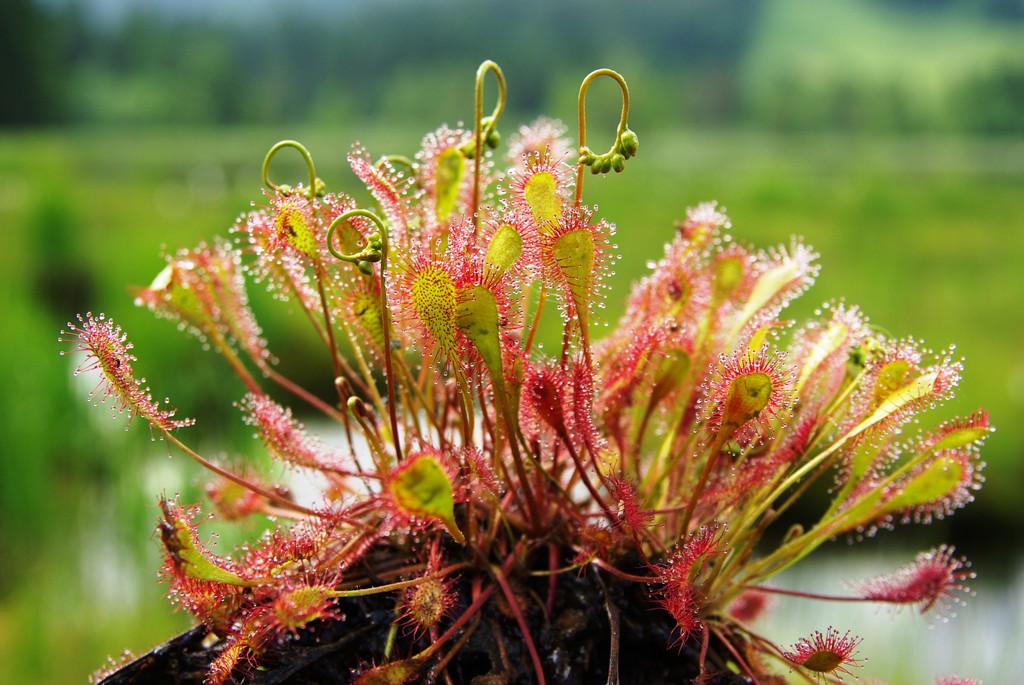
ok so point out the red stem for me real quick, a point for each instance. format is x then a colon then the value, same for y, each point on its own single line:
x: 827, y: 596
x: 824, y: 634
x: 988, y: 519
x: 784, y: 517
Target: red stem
x: 386, y: 329
x: 553, y: 578
x: 304, y: 395
x: 235, y: 478
x: 743, y: 664
x: 705, y: 473
x: 805, y: 595
x: 460, y: 621
x: 521, y: 620
x: 604, y: 565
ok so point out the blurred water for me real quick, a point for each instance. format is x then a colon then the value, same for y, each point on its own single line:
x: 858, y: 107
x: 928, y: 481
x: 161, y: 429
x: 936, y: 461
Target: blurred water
x: 906, y: 648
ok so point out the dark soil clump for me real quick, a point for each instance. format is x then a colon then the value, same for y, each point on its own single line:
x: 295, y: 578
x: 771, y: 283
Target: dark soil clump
x: 575, y: 644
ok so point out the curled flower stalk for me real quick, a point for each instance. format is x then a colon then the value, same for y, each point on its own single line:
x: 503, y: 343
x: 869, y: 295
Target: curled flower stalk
x: 626, y: 142
x: 493, y: 513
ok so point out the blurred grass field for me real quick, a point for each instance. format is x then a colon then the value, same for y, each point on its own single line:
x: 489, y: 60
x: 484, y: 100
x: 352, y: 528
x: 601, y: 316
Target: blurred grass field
x: 926, y: 234
x: 924, y: 231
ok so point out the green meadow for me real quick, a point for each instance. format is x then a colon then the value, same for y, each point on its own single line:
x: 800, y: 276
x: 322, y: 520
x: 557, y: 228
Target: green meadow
x: 924, y: 233
x: 887, y: 134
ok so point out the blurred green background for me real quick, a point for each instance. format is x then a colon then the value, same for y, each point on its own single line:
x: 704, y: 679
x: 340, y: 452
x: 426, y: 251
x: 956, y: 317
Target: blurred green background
x: 888, y: 133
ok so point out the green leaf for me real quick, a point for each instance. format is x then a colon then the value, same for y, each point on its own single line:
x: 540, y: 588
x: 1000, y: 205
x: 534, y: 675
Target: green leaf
x: 477, y: 317
x: 961, y: 437
x: 918, y: 389
x: 291, y: 224
x: 673, y: 369
x: 832, y: 340
x: 541, y: 195
x: 768, y: 286
x: 574, y: 255
x: 434, y: 299
x: 938, y: 480
x: 891, y: 378
x: 504, y: 251
x: 420, y: 487
x: 728, y: 274
x: 748, y: 395
x: 863, y: 456
x: 451, y: 167
x: 365, y: 308
x: 181, y: 545
x: 391, y: 673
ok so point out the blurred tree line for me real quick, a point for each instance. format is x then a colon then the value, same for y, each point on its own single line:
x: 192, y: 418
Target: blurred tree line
x: 406, y: 61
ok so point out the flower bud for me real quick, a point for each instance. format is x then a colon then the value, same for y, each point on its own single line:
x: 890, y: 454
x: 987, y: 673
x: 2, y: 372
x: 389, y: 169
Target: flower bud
x: 493, y: 139
x: 629, y: 143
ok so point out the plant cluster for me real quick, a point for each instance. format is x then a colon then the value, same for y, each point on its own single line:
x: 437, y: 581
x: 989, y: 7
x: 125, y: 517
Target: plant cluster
x: 471, y: 477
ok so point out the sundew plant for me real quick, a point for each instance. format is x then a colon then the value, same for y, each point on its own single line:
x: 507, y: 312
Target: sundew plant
x: 492, y: 512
